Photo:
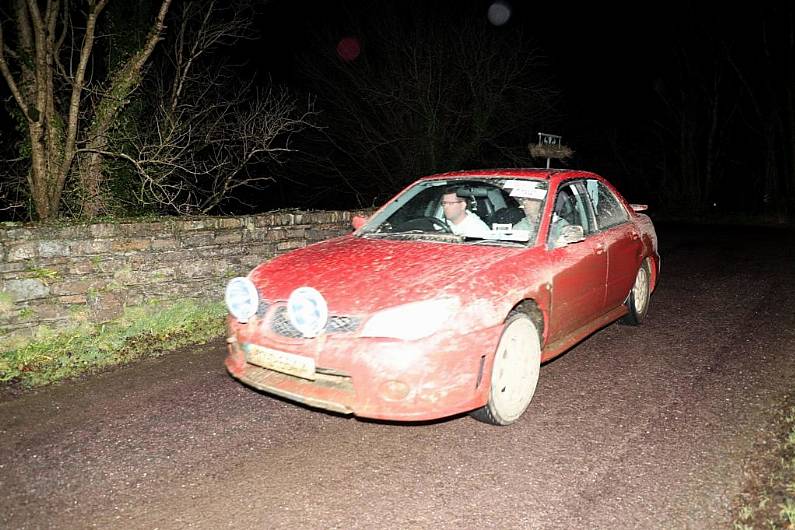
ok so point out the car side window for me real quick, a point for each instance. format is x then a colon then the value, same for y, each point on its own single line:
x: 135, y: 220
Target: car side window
x: 570, y: 209
x: 607, y: 208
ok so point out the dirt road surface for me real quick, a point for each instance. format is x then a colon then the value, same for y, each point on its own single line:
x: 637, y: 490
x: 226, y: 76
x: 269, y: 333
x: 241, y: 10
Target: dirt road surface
x: 637, y: 427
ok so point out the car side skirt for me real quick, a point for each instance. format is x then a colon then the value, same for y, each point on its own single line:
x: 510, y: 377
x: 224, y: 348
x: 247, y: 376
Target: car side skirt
x: 561, y: 345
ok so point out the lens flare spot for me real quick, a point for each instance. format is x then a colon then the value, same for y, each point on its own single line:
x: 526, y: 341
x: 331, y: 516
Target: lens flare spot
x: 499, y: 12
x: 348, y: 48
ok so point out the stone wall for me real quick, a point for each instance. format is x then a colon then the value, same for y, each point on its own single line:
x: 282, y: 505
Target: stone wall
x: 55, y: 276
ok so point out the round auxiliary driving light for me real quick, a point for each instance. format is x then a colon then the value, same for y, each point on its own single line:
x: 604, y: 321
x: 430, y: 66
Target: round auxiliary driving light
x: 307, y: 311
x: 241, y: 298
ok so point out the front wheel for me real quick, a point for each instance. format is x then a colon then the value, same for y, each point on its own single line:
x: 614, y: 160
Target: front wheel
x: 514, y: 374
x: 638, y: 299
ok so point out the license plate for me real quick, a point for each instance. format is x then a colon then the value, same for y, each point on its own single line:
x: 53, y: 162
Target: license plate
x: 286, y: 363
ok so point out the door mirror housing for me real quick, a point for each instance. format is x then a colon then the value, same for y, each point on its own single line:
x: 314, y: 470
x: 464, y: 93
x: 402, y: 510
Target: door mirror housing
x: 358, y: 221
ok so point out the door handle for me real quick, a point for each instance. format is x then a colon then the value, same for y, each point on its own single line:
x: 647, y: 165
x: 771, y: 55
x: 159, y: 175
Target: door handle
x: 599, y: 249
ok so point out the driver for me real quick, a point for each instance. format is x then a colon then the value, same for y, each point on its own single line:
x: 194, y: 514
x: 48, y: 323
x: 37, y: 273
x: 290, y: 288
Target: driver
x: 462, y: 222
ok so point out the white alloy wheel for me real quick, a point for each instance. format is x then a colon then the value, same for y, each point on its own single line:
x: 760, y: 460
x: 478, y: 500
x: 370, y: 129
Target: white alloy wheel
x: 514, y: 374
x: 640, y: 291
x: 638, y: 300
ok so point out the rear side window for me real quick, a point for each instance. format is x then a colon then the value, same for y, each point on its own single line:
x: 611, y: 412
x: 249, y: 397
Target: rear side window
x: 607, y: 208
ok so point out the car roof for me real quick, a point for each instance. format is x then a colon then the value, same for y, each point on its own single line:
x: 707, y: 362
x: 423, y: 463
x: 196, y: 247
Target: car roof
x: 517, y: 173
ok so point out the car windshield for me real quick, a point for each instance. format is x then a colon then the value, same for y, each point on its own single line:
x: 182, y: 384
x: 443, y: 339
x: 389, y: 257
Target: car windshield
x: 473, y: 210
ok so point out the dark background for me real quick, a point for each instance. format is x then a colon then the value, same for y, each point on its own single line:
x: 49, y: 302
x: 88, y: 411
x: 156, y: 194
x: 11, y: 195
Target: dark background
x: 685, y: 106
x: 614, y: 66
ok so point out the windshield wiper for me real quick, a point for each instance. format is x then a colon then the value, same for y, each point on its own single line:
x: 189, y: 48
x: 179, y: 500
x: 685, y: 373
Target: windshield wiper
x: 415, y: 235
x: 498, y: 242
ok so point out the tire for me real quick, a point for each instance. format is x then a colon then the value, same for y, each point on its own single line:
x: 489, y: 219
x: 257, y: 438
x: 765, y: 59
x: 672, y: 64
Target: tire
x: 514, y: 372
x: 638, y: 299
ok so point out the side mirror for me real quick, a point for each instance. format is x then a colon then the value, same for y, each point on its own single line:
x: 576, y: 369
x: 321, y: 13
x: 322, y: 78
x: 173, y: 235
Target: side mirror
x: 569, y: 234
x: 358, y: 221
x: 639, y: 207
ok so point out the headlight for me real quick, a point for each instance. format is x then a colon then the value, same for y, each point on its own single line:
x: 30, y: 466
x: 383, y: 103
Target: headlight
x: 241, y: 298
x: 411, y: 321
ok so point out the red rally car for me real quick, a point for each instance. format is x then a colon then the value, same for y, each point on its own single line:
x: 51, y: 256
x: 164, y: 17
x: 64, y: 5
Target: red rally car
x: 448, y: 299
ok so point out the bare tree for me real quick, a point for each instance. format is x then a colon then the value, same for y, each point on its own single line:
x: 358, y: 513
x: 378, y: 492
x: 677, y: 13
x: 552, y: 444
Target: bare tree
x: 427, y: 94
x: 699, y: 107
x: 47, y: 69
x: 727, y: 120
x: 208, y: 135
x: 200, y: 156
x: 772, y: 107
x: 10, y: 200
x: 12, y: 181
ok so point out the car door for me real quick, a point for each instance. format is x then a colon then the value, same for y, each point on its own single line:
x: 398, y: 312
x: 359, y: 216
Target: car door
x: 621, y: 239
x: 579, y: 268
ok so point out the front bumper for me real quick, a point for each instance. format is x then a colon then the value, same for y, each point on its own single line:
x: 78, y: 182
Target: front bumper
x: 431, y: 378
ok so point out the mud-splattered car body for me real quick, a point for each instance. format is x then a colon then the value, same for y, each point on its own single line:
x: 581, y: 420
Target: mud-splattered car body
x: 400, y: 320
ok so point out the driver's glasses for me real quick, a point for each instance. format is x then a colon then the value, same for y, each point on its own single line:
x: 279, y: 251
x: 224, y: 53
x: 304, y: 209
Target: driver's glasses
x: 449, y: 203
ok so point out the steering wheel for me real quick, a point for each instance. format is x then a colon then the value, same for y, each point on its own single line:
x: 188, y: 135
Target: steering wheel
x: 425, y: 223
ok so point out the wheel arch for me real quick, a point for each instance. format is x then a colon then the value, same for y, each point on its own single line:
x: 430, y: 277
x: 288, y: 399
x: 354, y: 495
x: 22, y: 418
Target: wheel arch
x: 654, y: 270
x: 531, y: 308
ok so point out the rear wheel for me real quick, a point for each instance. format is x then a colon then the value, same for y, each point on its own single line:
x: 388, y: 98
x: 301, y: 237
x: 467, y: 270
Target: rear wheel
x: 514, y: 374
x: 638, y: 299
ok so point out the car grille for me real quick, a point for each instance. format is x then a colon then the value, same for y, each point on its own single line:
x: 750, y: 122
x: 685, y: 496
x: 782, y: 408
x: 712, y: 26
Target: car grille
x: 281, y: 325
x: 340, y: 324
x: 262, y: 308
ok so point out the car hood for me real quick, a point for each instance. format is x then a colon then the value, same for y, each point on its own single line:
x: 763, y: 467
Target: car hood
x: 358, y: 276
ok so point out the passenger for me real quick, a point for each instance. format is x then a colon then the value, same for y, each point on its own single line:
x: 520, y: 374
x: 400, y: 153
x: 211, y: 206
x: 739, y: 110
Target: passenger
x: 563, y: 208
x: 532, y: 219
x: 461, y: 221
x: 532, y: 212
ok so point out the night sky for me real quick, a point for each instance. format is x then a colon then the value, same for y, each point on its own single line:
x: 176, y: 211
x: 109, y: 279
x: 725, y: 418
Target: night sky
x: 605, y: 57
x: 608, y: 61
x: 610, y: 64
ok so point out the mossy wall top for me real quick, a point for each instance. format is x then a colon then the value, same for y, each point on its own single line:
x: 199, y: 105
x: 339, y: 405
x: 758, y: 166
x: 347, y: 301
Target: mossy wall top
x: 58, y: 275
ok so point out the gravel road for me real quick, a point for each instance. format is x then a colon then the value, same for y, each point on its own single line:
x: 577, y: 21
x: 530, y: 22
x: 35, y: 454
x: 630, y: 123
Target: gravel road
x: 637, y: 427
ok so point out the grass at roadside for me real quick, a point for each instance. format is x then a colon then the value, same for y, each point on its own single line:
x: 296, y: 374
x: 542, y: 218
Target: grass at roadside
x: 143, y: 331
x: 768, y: 501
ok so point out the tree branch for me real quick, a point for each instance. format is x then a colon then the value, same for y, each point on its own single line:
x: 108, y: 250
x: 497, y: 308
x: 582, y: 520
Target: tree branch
x: 79, y: 79
x: 9, y: 78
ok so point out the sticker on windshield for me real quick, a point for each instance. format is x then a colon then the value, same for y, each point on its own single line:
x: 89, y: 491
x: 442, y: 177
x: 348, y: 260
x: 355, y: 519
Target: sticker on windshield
x: 530, y: 189
x: 535, y: 193
x: 517, y: 184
